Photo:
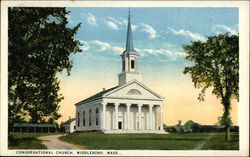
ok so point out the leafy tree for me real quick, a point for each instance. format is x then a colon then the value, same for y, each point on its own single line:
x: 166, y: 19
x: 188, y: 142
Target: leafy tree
x: 62, y: 128
x: 39, y: 47
x: 217, y: 66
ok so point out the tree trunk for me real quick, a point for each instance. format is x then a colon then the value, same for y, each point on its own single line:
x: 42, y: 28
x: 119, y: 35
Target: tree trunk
x: 228, y: 137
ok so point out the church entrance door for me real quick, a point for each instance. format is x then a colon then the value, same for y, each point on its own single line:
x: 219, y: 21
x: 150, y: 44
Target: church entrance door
x: 119, y: 125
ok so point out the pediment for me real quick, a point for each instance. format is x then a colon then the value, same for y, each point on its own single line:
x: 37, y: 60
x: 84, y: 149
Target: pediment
x: 134, y: 90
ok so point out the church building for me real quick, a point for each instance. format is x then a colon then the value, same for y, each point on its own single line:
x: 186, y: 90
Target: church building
x: 129, y: 107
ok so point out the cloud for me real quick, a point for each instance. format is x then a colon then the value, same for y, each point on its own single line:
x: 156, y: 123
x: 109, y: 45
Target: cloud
x: 116, y: 24
x: 101, y: 46
x: 91, y: 19
x: 159, y: 54
x: 164, y: 52
x: 125, y: 22
x: 219, y: 29
x: 85, y: 45
x: 186, y: 33
x: 112, y: 25
x: 117, y: 50
x: 69, y: 18
x: 150, y: 30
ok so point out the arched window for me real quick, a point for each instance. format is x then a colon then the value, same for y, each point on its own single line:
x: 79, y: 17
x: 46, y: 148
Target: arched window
x: 97, y: 116
x: 134, y: 92
x: 132, y: 64
x: 83, y: 116
x: 90, y: 117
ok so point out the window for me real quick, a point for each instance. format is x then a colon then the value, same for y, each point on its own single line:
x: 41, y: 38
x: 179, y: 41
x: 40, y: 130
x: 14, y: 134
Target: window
x: 134, y: 92
x: 132, y: 64
x: 123, y: 65
x: 74, y: 127
x: 83, y: 118
x: 78, y: 119
x: 97, y: 117
x: 89, y: 117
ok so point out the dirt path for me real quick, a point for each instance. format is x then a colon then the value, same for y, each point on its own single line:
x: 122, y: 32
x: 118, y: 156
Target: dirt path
x: 53, y: 142
x: 203, y: 142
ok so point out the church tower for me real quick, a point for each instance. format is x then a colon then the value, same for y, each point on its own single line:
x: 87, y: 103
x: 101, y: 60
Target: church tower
x: 129, y: 60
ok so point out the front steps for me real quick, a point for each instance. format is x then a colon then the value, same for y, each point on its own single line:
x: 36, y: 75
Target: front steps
x: 135, y: 132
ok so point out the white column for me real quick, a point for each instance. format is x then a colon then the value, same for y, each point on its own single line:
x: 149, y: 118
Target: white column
x: 104, y: 116
x: 161, y: 119
x: 116, y: 116
x: 128, y: 116
x: 139, y: 112
x: 150, y: 117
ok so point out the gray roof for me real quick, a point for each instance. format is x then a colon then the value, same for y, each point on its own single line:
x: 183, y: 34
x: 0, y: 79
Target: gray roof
x: 33, y: 125
x: 96, y: 96
x: 69, y: 121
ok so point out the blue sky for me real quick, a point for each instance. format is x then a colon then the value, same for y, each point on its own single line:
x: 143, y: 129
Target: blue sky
x: 158, y: 34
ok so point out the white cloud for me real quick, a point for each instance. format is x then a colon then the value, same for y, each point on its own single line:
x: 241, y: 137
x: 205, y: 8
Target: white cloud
x: 112, y: 25
x: 222, y: 28
x: 165, y: 52
x: 85, y: 45
x: 125, y: 22
x: 91, y: 19
x: 69, y: 18
x: 186, y: 33
x: 117, y: 50
x: 119, y: 22
x: 150, y: 30
x: 102, y: 46
x: 133, y: 27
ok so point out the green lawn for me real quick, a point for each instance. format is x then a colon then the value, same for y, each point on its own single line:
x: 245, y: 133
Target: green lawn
x: 27, y: 141
x: 151, y: 141
x: 217, y: 142
x: 141, y: 141
x: 94, y: 140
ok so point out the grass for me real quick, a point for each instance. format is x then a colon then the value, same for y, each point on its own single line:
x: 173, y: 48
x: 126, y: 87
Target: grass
x: 27, y: 141
x: 94, y: 140
x: 217, y: 142
x: 176, y: 141
x: 136, y: 141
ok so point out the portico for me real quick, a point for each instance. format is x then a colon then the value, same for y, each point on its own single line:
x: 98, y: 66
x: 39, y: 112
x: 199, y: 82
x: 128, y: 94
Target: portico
x: 131, y: 117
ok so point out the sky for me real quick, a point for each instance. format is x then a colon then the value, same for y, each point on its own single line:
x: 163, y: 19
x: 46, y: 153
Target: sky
x: 158, y: 36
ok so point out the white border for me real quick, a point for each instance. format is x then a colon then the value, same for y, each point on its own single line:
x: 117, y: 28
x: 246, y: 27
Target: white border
x: 243, y: 115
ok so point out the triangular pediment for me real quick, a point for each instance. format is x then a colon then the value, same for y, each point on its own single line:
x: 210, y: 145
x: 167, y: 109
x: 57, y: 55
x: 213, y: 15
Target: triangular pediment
x: 133, y: 90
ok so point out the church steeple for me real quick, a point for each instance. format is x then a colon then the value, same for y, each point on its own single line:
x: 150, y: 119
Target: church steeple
x: 129, y: 41
x: 129, y: 59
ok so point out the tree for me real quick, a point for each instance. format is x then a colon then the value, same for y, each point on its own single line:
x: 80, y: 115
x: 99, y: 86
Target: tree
x: 62, y: 128
x: 216, y: 65
x: 39, y: 47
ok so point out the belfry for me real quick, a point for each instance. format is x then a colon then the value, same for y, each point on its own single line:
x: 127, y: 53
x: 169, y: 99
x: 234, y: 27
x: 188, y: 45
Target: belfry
x: 129, y: 107
x: 129, y: 60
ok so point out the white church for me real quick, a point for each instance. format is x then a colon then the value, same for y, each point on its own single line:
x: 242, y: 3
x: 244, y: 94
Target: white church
x: 129, y: 107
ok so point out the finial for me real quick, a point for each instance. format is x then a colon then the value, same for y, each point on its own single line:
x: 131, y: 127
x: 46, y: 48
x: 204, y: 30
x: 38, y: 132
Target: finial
x: 129, y: 12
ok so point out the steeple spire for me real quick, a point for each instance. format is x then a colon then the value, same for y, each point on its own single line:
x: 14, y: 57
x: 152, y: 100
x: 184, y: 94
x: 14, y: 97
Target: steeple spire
x: 129, y: 60
x: 129, y: 42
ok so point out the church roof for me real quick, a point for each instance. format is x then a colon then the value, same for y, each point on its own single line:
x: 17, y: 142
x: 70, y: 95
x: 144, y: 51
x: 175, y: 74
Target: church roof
x: 69, y: 121
x: 107, y: 92
x: 97, y: 96
x: 129, y: 41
